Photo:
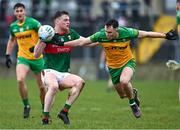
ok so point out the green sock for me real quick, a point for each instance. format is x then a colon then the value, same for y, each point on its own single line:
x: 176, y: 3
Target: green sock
x: 66, y: 107
x: 46, y: 114
x: 131, y: 101
x: 26, y: 102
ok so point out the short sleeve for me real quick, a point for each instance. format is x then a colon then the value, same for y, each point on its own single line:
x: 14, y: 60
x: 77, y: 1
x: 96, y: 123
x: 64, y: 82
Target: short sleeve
x: 95, y: 37
x: 11, y: 30
x: 133, y: 33
x: 75, y: 34
x: 37, y: 24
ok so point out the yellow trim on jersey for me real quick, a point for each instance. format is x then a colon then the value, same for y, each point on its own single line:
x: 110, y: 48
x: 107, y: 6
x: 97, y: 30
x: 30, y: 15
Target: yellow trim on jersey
x: 117, y: 53
x: 21, y: 24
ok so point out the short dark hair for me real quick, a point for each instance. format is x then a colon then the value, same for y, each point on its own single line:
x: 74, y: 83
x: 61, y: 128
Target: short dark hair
x: 112, y: 22
x: 17, y: 5
x: 60, y: 13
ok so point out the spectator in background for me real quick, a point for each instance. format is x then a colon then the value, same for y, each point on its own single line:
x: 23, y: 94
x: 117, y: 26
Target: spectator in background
x: 3, y: 6
x: 123, y: 5
x: 35, y: 7
x: 85, y: 7
x: 47, y: 8
x: 135, y: 6
x: 105, y: 5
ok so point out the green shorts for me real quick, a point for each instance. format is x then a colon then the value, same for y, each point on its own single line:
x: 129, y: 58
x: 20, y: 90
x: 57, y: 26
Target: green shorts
x: 35, y: 65
x: 115, y: 73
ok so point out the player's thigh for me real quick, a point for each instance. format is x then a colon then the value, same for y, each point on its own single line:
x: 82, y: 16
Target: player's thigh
x: 126, y: 74
x: 120, y: 90
x: 38, y: 80
x: 127, y: 71
x: 49, y: 78
x: 21, y: 71
x: 36, y: 65
x: 70, y: 81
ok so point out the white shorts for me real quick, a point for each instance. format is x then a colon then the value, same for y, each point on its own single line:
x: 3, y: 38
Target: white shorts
x: 59, y: 75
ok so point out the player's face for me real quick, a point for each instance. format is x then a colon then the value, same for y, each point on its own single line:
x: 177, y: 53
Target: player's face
x: 63, y: 22
x: 178, y: 6
x: 19, y: 13
x: 111, y: 32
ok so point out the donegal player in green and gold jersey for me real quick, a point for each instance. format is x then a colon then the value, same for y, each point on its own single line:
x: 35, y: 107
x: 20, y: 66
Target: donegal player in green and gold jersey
x: 115, y: 41
x: 24, y: 32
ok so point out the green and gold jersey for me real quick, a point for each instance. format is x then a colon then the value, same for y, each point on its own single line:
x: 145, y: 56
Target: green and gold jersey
x: 178, y: 20
x: 118, y: 51
x: 26, y: 36
x: 58, y: 57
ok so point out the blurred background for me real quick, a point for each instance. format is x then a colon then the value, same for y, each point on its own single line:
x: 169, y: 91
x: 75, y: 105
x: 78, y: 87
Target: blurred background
x: 88, y: 16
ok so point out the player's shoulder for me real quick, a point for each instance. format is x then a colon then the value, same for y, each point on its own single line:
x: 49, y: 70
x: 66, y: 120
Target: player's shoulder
x: 13, y: 23
x: 126, y: 29
x: 30, y: 19
x: 71, y: 30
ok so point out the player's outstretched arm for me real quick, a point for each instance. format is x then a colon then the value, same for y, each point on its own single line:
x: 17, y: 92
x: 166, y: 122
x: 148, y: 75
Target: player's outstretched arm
x: 79, y: 42
x: 39, y: 48
x: 171, y: 35
x: 149, y: 34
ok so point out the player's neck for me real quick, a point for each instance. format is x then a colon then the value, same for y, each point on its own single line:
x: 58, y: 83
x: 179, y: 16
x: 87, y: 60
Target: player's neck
x: 21, y: 21
x: 60, y: 31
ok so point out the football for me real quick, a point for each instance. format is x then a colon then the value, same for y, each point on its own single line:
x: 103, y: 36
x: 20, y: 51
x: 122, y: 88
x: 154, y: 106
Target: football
x: 46, y: 33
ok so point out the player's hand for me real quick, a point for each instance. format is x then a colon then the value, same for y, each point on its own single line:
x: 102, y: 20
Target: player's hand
x: 173, y: 65
x: 172, y: 35
x: 8, y: 61
x: 31, y: 49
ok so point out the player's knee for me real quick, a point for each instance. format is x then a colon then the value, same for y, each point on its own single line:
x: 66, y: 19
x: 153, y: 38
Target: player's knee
x: 21, y: 81
x: 124, y: 83
x: 42, y: 89
x: 80, y: 83
x: 53, y: 88
x: 74, y: 91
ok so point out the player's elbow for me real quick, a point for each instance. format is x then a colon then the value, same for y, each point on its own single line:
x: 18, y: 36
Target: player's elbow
x: 36, y: 55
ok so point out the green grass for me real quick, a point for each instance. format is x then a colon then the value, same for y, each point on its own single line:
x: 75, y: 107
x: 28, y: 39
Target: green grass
x: 96, y: 108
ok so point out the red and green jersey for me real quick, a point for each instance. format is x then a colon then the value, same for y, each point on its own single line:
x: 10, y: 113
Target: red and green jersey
x: 58, y: 57
x: 26, y: 36
x: 118, y: 51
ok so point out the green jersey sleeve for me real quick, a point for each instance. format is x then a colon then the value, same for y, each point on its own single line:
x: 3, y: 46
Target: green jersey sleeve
x: 11, y: 30
x: 178, y: 17
x: 36, y: 24
x: 95, y: 37
x: 75, y: 34
x: 133, y: 33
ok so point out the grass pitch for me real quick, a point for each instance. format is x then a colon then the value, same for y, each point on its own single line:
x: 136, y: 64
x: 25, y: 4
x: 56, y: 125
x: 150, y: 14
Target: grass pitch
x: 95, y: 108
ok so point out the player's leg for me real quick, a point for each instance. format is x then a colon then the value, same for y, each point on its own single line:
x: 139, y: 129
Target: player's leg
x: 50, y: 80
x: 41, y: 89
x: 37, y: 66
x: 75, y: 84
x: 125, y: 78
x: 21, y: 73
x: 110, y: 85
x: 120, y: 91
